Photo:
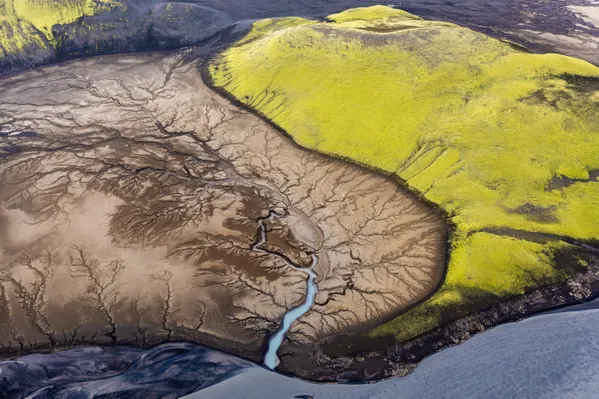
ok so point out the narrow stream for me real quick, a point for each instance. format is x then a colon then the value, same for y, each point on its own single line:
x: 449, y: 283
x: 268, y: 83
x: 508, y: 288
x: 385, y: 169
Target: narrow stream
x: 271, y: 360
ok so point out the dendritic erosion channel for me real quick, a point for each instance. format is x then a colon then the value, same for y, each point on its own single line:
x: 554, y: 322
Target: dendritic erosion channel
x: 138, y: 206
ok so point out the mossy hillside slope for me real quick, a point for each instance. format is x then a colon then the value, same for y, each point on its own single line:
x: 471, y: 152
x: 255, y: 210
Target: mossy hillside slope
x: 43, y: 14
x: 504, y: 141
x: 14, y: 34
x: 30, y: 22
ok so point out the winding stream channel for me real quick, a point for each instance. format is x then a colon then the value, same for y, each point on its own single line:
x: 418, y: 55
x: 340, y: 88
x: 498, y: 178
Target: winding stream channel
x: 271, y: 360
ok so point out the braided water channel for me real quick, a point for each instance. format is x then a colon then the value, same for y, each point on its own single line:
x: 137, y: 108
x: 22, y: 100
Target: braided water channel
x: 271, y: 360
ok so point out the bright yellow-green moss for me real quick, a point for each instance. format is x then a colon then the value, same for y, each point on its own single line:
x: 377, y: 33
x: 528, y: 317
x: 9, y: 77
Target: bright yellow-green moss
x: 24, y: 22
x: 573, y: 171
x: 370, y: 13
x: 44, y: 14
x: 479, y: 273
x: 511, y: 270
x: 263, y: 27
x: 15, y: 34
x: 469, y: 122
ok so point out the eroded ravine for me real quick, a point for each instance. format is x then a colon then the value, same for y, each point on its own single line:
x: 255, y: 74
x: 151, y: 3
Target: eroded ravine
x: 129, y: 197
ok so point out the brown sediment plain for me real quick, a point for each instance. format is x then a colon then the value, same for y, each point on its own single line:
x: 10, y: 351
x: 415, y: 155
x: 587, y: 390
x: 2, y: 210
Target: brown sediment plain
x: 131, y: 194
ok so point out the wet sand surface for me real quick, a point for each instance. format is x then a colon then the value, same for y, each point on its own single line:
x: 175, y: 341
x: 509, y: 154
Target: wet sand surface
x: 130, y: 197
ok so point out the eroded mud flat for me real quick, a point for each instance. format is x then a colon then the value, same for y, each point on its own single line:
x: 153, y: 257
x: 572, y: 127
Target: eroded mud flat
x: 130, y: 200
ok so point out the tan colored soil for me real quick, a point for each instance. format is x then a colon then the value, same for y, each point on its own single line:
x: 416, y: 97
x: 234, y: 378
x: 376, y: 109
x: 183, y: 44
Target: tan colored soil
x: 129, y: 200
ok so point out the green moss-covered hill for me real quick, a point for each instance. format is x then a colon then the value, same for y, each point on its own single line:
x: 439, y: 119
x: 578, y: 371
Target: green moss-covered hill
x: 34, y: 32
x: 26, y: 25
x: 505, y: 142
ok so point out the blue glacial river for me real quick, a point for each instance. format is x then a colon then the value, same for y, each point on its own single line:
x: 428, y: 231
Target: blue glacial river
x: 271, y: 360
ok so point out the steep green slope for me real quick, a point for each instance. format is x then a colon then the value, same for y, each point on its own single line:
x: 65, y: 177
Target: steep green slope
x: 15, y: 34
x: 505, y: 142
x: 44, y: 14
x: 36, y: 32
x: 30, y: 21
